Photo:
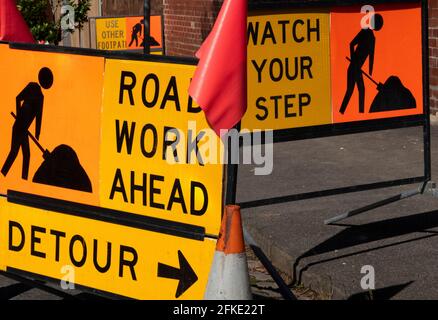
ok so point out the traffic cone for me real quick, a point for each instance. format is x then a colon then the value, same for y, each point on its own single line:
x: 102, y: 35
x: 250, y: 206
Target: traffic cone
x: 229, y: 278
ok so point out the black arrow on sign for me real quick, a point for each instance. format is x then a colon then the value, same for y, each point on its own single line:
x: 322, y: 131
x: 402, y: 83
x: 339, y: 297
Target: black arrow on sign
x: 185, y: 274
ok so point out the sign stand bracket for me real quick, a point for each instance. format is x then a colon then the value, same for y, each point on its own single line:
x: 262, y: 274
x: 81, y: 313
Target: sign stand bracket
x: 404, y: 195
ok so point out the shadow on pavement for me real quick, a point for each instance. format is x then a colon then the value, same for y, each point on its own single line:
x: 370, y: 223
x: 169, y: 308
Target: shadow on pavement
x: 13, y: 290
x: 355, y: 235
x: 380, y: 294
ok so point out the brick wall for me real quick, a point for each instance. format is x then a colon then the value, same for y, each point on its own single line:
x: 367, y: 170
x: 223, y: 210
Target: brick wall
x: 129, y: 7
x: 187, y: 23
x: 433, y: 54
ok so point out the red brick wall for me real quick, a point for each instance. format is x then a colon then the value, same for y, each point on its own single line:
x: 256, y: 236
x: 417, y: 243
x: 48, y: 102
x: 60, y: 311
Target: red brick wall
x: 129, y: 7
x: 187, y: 23
x: 433, y: 54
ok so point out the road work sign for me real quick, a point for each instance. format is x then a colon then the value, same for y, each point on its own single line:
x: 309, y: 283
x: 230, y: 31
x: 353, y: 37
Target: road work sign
x: 154, y: 135
x: 131, y: 262
x: 127, y: 33
x: 138, y: 150
x: 118, y: 172
x: 334, y: 65
x: 388, y: 62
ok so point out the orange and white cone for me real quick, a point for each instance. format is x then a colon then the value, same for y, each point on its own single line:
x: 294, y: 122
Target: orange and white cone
x: 229, y: 278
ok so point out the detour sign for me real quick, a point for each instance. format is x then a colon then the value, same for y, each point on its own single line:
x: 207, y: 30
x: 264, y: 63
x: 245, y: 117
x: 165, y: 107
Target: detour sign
x: 115, y: 259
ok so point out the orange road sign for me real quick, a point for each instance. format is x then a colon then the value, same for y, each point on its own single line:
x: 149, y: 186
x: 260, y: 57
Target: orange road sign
x: 376, y: 73
x: 127, y: 33
x: 51, y: 124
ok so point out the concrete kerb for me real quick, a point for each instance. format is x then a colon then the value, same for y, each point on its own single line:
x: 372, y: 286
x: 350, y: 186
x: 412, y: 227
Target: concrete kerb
x: 284, y: 263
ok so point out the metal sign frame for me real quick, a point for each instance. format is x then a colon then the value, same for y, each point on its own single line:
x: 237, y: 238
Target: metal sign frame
x: 128, y: 219
x: 331, y: 130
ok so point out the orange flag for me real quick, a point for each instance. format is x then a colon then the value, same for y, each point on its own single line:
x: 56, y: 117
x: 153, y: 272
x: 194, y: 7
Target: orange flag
x: 13, y: 28
x: 219, y: 84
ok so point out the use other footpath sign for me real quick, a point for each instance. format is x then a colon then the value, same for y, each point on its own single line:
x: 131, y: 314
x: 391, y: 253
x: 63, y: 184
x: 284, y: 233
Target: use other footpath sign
x: 127, y: 33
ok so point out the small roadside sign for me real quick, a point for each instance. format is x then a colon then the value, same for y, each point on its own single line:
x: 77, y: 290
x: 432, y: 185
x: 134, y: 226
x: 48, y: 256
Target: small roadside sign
x: 127, y: 33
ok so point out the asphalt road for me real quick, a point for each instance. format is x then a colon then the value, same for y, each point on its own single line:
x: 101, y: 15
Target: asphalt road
x: 13, y: 288
x: 398, y: 240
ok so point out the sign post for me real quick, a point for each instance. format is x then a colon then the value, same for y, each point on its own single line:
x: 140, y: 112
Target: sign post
x: 147, y: 26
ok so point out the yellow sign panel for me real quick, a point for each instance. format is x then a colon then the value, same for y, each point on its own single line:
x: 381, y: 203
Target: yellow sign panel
x: 104, y: 256
x: 111, y: 34
x: 158, y: 146
x: 288, y: 70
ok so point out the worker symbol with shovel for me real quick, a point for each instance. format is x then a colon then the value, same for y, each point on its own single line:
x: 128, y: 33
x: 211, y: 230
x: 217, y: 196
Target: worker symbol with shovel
x: 61, y: 167
x: 361, y: 48
x: 29, y: 107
